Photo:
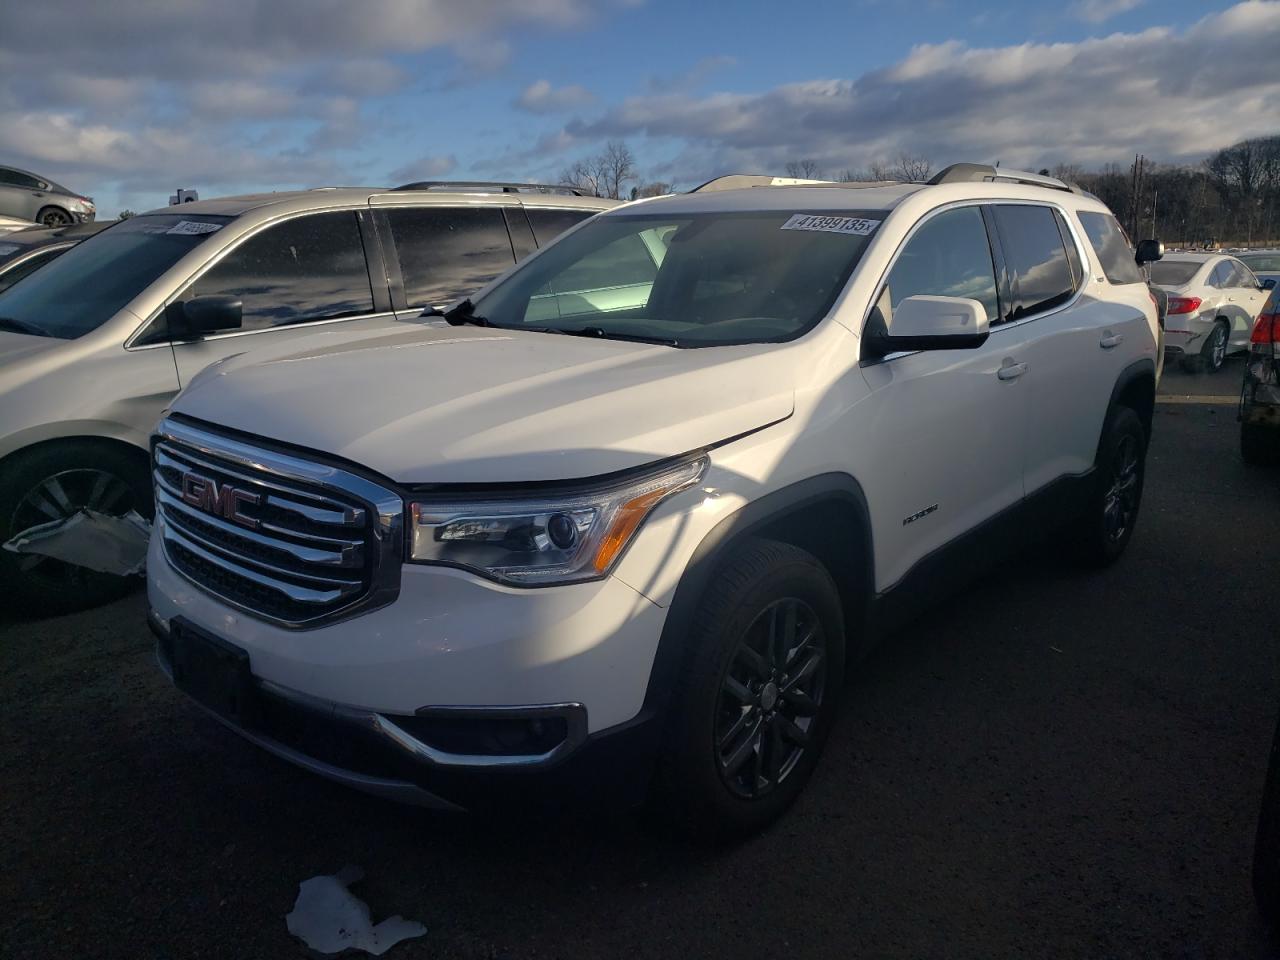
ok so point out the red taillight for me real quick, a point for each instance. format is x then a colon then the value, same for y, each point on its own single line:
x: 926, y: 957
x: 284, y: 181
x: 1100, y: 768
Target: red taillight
x: 1184, y: 305
x: 1264, y: 328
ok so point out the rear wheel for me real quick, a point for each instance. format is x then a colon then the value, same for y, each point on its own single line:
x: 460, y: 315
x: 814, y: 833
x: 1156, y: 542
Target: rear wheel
x: 1107, y: 525
x: 51, y: 483
x: 53, y: 217
x: 757, y: 696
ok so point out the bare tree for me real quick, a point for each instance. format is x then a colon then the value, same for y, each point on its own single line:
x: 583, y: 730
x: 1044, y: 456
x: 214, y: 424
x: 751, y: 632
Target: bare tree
x: 806, y: 169
x: 606, y: 174
x: 910, y: 168
x: 876, y: 173
x: 657, y: 188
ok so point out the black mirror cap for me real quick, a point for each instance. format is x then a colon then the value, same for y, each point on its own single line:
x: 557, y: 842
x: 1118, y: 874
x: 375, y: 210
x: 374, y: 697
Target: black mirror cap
x: 201, y: 315
x: 1268, y: 283
x: 878, y: 345
x: 1149, y: 251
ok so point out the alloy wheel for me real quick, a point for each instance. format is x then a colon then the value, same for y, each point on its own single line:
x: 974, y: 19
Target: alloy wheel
x: 770, y: 697
x: 58, y: 497
x: 1121, y: 500
x: 1219, y: 346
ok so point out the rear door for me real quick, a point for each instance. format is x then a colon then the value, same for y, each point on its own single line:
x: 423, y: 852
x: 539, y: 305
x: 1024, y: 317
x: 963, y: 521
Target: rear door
x: 293, y: 276
x: 18, y: 195
x: 1078, y: 341
x: 440, y: 254
x: 1246, y: 300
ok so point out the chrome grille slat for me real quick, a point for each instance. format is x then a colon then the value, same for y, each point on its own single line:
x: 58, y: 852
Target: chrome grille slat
x: 347, y: 554
x: 295, y: 592
x: 296, y: 542
x: 286, y: 498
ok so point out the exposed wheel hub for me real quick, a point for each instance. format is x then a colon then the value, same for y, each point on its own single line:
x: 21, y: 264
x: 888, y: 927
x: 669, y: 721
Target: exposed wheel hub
x: 769, y: 696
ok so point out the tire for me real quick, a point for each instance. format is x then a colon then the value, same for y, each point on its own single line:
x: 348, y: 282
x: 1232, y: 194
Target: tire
x: 1266, y: 844
x: 1259, y: 445
x: 1214, y: 351
x: 59, y: 478
x: 54, y: 217
x: 1105, y: 528
x: 738, y: 747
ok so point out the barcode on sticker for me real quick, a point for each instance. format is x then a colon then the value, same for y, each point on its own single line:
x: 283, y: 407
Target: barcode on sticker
x: 192, y: 228
x: 852, y: 225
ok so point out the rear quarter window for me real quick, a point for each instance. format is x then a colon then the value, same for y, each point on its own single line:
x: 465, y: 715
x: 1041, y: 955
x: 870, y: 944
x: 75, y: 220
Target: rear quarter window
x: 1113, y: 250
x: 1037, y: 257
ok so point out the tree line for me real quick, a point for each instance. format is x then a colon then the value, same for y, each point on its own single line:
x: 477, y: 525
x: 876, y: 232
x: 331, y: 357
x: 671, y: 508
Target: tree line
x: 1232, y: 197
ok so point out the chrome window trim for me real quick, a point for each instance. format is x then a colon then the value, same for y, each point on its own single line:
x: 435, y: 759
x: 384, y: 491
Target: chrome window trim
x: 391, y: 314
x: 386, y: 504
x: 979, y: 202
x: 31, y: 254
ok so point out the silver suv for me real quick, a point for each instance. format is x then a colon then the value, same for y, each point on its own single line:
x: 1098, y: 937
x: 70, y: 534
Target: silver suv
x: 32, y: 197
x: 94, y: 345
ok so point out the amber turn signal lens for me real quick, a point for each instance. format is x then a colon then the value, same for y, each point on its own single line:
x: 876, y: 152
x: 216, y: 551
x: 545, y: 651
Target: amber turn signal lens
x: 628, y: 517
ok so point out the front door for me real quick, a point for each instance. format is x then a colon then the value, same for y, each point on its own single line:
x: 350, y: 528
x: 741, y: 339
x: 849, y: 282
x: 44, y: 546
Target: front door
x: 302, y: 275
x: 945, y: 428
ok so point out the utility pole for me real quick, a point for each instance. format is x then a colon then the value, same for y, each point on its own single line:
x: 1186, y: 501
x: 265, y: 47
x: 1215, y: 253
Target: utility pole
x: 1135, y: 194
x: 1155, y: 200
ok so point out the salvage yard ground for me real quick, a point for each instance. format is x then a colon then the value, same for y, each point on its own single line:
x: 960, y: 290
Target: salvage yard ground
x: 1056, y: 764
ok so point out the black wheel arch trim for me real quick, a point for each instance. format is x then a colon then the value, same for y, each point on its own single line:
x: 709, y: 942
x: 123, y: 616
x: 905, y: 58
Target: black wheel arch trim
x: 710, y: 553
x: 1137, y: 370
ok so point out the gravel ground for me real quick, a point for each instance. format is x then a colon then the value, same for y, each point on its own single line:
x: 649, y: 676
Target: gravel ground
x: 1054, y: 764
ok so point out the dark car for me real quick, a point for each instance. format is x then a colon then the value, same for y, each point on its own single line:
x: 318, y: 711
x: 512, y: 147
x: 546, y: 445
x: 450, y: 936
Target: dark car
x: 33, y: 197
x: 24, y: 251
x: 1260, y: 395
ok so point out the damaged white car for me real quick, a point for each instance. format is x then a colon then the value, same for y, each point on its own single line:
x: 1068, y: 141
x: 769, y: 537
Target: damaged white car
x: 95, y: 344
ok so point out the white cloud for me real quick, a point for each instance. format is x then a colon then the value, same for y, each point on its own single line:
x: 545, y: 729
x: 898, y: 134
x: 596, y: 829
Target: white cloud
x: 1099, y: 11
x: 541, y: 97
x: 1095, y: 101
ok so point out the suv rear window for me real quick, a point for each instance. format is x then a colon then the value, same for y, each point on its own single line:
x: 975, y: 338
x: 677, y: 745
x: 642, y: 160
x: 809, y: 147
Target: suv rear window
x: 1035, y: 254
x: 1113, y: 250
x: 549, y: 223
x: 447, y: 252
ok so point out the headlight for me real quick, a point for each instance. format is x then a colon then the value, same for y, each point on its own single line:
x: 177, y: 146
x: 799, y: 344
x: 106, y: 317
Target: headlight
x: 543, y: 540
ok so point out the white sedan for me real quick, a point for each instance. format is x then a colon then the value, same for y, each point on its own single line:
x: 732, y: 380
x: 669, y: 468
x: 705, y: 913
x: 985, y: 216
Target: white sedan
x: 1213, y: 302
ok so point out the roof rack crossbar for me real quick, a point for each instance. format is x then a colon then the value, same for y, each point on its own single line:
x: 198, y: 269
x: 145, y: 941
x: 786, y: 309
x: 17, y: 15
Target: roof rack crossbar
x: 984, y: 172
x: 494, y: 186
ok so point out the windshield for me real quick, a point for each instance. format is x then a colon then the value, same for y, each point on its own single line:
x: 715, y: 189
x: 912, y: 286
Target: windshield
x: 84, y: 287
x: 692, y: 281
x: 1173, y: 273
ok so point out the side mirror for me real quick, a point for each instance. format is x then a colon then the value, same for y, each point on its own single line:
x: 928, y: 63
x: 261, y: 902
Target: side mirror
x: 1268, y: 283
x: 929, y: 323
x: 192, y: 318
x: 1149, y: 251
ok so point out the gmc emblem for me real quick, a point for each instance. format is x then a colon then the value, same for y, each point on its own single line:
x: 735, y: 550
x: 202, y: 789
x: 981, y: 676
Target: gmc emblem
x: 222, y: 501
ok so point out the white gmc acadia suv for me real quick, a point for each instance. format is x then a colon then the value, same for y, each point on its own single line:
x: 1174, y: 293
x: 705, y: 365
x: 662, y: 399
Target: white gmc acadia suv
x: 618, y: 529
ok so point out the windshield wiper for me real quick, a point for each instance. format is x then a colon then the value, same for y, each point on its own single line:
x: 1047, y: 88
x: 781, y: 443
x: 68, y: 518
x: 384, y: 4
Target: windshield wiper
x: 465, y: 312
x: 603, y: 334
x: 21, y: 326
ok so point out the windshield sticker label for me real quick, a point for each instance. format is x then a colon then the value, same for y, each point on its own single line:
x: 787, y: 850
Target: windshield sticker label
x: 193, y: 228
x: 851, y: 225
x: 8, y: 248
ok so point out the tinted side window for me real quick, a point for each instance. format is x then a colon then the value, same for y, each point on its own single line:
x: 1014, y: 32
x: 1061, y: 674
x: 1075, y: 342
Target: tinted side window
x: 9, y: 278
x: 448, y: 252
x: 1221, y: 275
x: 949, y: 256
x: 1036, y: 257
x: 1242, y: 276
x: 308, y: 268
x: 549, y: 224
x: 1113, y: 250
x: 14, y: 179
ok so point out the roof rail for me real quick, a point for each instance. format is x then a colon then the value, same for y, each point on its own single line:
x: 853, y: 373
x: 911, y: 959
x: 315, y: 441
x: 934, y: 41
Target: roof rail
x: 980, y: 172
x: 737, y: 181
x: 494, y: 186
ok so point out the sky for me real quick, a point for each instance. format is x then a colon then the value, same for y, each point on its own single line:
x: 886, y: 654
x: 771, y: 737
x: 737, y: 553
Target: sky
x: 127, y: 100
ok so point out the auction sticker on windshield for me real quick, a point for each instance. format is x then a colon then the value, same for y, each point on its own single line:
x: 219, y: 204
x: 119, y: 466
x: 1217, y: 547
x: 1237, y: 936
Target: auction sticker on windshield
x: 193, y: 227
x: 853, y: 225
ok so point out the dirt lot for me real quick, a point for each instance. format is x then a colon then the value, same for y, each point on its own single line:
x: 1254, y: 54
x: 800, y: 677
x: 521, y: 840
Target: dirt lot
x: 1055, y: 764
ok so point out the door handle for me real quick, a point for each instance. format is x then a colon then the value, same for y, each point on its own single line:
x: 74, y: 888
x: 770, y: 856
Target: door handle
x: 1111, y: 340
x: 1011, y: 370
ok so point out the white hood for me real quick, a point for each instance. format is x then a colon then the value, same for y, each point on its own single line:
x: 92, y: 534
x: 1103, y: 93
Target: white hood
x: 474, y: 405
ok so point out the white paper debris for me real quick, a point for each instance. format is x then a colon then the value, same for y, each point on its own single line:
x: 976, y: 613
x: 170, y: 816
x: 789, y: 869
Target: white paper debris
x: 849, y: 225
x: 193, y: 228
x: 328, y: 919
x: 90, y: 539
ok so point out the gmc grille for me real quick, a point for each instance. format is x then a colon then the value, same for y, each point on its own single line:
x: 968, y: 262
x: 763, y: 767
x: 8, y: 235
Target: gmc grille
x: 293, y: 541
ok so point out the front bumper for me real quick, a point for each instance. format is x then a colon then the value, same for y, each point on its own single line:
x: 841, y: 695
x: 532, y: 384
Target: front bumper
x: 333, y: 695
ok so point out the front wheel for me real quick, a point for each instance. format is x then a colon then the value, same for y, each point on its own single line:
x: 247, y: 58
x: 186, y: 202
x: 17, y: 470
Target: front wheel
x: 757, y: 697
x: 1112, y: 511
x: 54, y: 482
x: 53, y: 217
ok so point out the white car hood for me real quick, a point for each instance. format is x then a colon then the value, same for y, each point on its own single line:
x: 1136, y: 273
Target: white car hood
x: 473, y: 405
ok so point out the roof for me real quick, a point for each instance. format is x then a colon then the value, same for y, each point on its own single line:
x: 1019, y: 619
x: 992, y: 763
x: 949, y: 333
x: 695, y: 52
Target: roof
x: 293, y: 201
x: 1192, y: 257
x: 799, y: 197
